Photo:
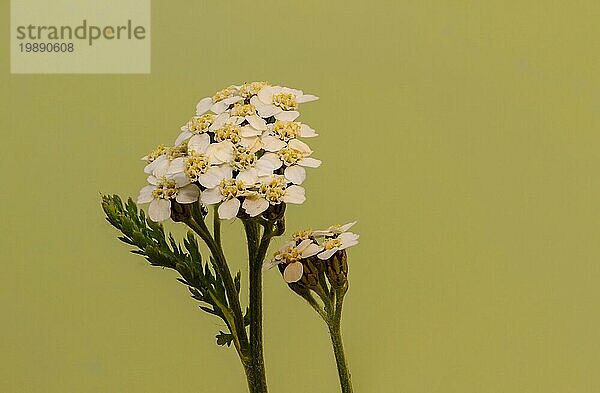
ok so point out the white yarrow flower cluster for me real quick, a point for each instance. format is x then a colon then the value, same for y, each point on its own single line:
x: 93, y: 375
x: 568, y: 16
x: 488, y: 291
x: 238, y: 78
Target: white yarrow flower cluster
x: 241, y: 150
x: 307, y: 243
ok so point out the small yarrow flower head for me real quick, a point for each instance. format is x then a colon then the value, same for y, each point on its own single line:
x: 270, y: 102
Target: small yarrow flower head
x: 242, y: 151
x: 291, y: 256
x: 161, y: 192
x: 336, y: 238
x: 197, y: 125
x: 327, y: 252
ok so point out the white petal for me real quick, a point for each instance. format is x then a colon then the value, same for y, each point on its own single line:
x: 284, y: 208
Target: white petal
x: 177, y: 166
x: 211, y: 178
x: 349, y: 239
x: 295, y: 173
x: 221, y: 152
x: 259, y: 105
x: 229, y: 209
x: 348, y: 236
x: 236, y: 120
x: 268, y: 163
x: 223, y: 105
x: 248, y: 131
x: 145, y: 194
x: 253, y: 143
x: 268, y: 111
x: 293, y: 272
x: 257, y: 122
x: 219, y: 107
x: 307, y: 132
x: 219, y: 121
x: 287, y: 115
x: 295, y: 92
x: 254, y: 205
x: 265, y: 95
x: 327, y: 254
x: 311, y: 250
x: 181, y: 179
x: 347, y: 226
x: 203, y: 106
x: 161, y: 168
x: 306, y: 98
x: 309, y: 162
x: 270, y: 264
x: 150, y: 167
x: 188, y: 194
x: 199, y: 143
x: 153, y: 180
x: 211, y: 196
x: 226, y: 172
x: 297, y: 144
x: 249, y: 176
x: 303, y: 244
x: 348, y: 244
x: 294, y: 194
x: 270, y: 143
x: 159, y: 209
x: 182, y: 137
x: 232, y: 100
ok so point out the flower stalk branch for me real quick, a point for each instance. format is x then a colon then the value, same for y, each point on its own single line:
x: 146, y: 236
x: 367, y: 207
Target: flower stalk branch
x: 316, y: 262
x: 197, y: 224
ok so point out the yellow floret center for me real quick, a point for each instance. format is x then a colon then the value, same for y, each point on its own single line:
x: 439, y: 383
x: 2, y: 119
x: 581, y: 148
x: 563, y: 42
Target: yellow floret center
x: 177, y: 151
x: 225, y: 93
x: 248, y: 90
x: 332, y: 243
x: 166, y: 189
x: 290, y: 156
x: 336, y: 229
x: 302, y: 234
x: 159, y: 151
x: 243, y: 158
x: 289, y: 255
x: 229, y: 132
x: 286, y: 101
x: 200, y: 124
x: 243, y: 110
x: 230, y: 188
x: 286, y: 130
x: 196, y: 165
x: 274, y: 190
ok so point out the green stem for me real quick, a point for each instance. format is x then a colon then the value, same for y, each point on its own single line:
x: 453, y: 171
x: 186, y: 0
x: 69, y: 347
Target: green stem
x: 217, y: 227
x: 340, y: 359
x: 257, y: 249
x: 198, y: 225
x: 335, y: 332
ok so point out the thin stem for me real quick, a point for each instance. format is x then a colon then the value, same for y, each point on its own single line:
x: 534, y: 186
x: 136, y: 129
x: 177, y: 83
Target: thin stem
x: 335, y: 332
x: 340, y: 359
x: 198, y: 225
x: 217, y: 227
x: 315, y: 305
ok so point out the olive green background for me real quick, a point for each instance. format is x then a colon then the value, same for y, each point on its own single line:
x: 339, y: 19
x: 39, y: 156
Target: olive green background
x: 462, y: 135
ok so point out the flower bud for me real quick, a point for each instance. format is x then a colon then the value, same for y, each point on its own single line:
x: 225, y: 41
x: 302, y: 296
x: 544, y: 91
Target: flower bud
x: 274, y: 212
x: 337, y: 270
x: 299, y: 287
x: 179, y: 212
x: 310, y: 277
